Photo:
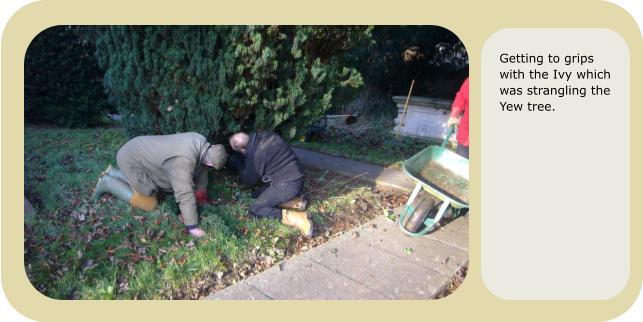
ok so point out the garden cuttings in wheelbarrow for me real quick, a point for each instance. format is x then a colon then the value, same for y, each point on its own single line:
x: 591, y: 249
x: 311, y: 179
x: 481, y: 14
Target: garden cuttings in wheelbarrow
x: 446, y: 180
x: 450, y: 170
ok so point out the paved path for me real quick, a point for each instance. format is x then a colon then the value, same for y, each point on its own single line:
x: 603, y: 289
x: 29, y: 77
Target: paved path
x: 380, y: 175
x: 374, y: 261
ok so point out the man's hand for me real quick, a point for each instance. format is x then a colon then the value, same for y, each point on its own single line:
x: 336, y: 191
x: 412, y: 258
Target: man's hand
x: 197, y: 232
x: 202, y: 197
x: 206, y: 201
x: 453, y: 121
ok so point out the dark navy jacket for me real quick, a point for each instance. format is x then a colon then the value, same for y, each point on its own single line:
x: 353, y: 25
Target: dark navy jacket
x: 269, y: 158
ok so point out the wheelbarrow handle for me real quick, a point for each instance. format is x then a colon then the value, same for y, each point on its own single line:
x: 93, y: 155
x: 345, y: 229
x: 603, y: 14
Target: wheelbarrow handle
x: 448, y: 135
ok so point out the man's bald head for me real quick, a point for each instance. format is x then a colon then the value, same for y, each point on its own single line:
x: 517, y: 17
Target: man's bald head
x: 239, y: 141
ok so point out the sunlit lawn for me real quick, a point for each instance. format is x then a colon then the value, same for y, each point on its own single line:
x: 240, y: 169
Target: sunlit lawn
x: 76, y: 248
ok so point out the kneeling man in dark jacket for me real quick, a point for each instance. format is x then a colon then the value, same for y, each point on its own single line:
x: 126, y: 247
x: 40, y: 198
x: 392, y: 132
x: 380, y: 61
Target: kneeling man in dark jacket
x: 267, y: 157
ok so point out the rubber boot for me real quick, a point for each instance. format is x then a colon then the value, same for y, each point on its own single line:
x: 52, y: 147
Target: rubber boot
x: 116, y: 173
x: 298, y: 203
x: 108, y: 184
x: 109, y: 167
x: 299, y: 220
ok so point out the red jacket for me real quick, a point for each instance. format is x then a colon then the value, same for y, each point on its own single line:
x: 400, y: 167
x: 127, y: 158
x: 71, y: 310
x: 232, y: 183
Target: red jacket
x: 460, y: 105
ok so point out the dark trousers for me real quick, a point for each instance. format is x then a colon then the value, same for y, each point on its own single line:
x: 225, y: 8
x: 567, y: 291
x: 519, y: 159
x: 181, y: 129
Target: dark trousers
x: 462, y: 151
x: 271, y: 195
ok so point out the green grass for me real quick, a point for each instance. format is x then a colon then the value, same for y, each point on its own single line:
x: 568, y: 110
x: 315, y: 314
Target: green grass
x: 76, y: 248
x: 368, y: 141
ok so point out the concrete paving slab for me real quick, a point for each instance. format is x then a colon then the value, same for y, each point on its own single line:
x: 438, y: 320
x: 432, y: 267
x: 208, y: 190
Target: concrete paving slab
x: 393, y: 276
x: 377, y: 174
x: 428, y: 252
x: 239, y: 291
x: 302, y: 279
x: 454, y: 233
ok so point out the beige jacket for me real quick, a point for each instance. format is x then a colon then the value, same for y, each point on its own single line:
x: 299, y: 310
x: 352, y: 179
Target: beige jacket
x: 169, y: 163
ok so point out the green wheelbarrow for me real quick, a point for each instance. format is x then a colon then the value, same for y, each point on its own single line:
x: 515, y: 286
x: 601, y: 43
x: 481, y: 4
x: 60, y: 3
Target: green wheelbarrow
x: 440, y: 173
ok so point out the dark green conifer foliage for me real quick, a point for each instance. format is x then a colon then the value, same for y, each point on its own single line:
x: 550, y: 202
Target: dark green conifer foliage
x: 384, y: 67
x: 216, y: 80
x: 62, y: 80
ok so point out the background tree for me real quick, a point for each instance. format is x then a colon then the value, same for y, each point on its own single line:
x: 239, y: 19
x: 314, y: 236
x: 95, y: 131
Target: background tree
x: 216, y: 80
x: 63, y: 83
x: 388, y: 71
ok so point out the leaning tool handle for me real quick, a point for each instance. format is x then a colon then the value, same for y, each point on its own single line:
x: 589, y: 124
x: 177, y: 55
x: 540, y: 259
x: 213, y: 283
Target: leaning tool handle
x: 448, y: 135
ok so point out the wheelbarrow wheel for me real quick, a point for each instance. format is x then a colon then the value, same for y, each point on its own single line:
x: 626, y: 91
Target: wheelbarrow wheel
x: 451, y: 213
x: 419, y: 215
x: 414, y: 205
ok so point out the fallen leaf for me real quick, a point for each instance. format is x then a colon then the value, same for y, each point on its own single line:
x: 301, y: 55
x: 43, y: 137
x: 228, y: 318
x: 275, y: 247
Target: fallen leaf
x: 124, y: 287
x: 160, y: 235
x: 89, y: 264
